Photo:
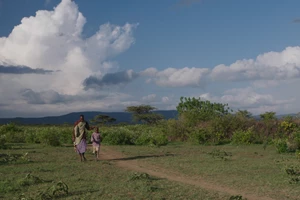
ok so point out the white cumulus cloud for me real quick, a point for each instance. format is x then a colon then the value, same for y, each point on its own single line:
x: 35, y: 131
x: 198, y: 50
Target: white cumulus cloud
x: 249, y: 99
x: 268, y: 66
x: 172, y: 77
x: 52, y: 41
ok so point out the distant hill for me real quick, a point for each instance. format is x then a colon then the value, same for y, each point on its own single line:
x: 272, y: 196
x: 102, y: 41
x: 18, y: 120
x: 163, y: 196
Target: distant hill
x: 72, y: 117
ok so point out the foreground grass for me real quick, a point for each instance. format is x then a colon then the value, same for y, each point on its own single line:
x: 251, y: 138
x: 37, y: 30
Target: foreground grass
x: 246, y: 168
x: 47, y: 166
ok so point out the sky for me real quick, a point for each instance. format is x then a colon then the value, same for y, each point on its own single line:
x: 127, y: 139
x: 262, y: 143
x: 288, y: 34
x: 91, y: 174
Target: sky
x: 62, y: 56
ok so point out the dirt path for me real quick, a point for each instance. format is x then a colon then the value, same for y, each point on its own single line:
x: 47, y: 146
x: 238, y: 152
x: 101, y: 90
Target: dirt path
x: 122, y: 161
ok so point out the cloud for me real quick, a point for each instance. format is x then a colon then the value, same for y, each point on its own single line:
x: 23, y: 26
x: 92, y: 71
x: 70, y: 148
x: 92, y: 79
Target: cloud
x: 249, y: 99
x: 22, y: 70
x: 296, y: 21
x: 165, y: 99
x: 110, y: 79
x: 265, y: 83
x: 266, y: 70
x: 84, y: 102
x: 44, y: 97
x: 268, y: 66
x: 149, y: 98
x: 52, y: 41
x: 56, y: 43
x: 172, y: 77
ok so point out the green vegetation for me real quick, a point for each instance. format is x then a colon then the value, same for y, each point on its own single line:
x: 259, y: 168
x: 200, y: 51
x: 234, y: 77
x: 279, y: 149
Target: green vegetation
x: 207, y: 140
x: 55, y: 173
x: 247, y: 168
x: 144, y: 114
x: 100, y: 120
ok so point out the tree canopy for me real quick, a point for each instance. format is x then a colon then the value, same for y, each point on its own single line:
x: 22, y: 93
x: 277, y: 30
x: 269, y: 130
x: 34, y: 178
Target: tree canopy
x: 102, y: 119
x: 144, y: 114
x: 201, y: 110
x: 268, y: 116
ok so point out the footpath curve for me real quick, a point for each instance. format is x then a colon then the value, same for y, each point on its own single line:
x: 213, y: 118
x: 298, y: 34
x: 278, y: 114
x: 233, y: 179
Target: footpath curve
x: 123, y: 161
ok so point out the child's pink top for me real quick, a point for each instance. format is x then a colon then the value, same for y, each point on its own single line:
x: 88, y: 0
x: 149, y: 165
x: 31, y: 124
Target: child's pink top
x: 95, y: 139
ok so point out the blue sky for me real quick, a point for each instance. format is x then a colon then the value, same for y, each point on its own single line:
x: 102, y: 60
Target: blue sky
x: 244, y: 53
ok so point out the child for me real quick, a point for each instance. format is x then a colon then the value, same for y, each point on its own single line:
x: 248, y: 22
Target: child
x: 96, y: 140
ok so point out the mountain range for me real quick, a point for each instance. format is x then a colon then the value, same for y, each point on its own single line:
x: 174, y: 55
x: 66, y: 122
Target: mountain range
x: 121, y: 117
x: 72, y: 117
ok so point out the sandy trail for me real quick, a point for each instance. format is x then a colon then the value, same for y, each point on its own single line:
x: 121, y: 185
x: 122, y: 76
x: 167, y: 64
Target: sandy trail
x: 133, y: 163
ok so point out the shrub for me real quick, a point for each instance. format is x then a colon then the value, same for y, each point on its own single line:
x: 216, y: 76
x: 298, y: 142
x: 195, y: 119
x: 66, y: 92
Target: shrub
x: 281, y: 145
x: 13, y: 133
x: 31, y: 136
x: 176, y: 130
x: 293, y: 143
x: 243, y: 137
x: 3, y: 142
x: 117, y: 136
x: 49, y: 136
x: 152, y: 137
x: 199, y: 136
x: 222, y: 128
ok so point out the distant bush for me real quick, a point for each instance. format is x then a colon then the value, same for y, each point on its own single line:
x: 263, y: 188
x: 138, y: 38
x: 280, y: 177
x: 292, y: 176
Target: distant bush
x: 243, y: 137
x: 199, y: 136
x: 3, y: 142
x: 281, y: 145
x: 117, y: 136
x: 49, y: 136
x: 152, y: 137
x: 176, y: 130
x: 12, y: 133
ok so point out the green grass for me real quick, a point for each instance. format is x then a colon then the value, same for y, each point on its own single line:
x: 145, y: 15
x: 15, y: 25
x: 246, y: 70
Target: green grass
x: 250, y: 168
x: 34, y: 170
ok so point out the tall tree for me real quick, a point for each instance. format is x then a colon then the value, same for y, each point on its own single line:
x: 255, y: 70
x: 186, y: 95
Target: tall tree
x: 243, y: 114
x: 268, y: 116
x: 102, y: 119
x: 195, y: 110
x: 144, y: 114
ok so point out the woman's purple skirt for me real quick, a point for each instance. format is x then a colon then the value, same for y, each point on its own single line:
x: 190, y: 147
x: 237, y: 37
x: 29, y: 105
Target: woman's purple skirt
x: 81, y: 147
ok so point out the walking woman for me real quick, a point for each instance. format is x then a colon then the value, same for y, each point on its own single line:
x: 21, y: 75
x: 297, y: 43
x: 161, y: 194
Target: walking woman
x: 79, y: 137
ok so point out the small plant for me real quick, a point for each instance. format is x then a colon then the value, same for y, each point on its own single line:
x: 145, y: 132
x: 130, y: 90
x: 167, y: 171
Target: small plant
x: 294, y: 173
x: 3, y: 141
x: 23, y: 197
x: 12, y: 158
x: 297, y: 153
x: 237, y: 197
x: 220, y: 154
x: 30, y: 180
x: 140, y: 176
x: 59, y: 189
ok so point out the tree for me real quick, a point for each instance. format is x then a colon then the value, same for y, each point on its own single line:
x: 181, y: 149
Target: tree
x: 268, y: 116
x: 102, y: 119
x: 144, y: 114
x: 201, y: 110
x: 243, y: 114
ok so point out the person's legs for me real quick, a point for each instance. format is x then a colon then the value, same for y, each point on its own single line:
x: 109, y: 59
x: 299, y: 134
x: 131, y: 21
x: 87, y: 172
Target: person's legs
x: 80, y: 155
x: 83, y: 157
x: 98, y: 153
x: 95, y: 155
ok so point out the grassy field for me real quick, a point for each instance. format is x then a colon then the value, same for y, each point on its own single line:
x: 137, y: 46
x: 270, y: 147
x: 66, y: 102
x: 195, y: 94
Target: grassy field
x: 36, y: 171
x: 252, y: 169
x: 48, y: 166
